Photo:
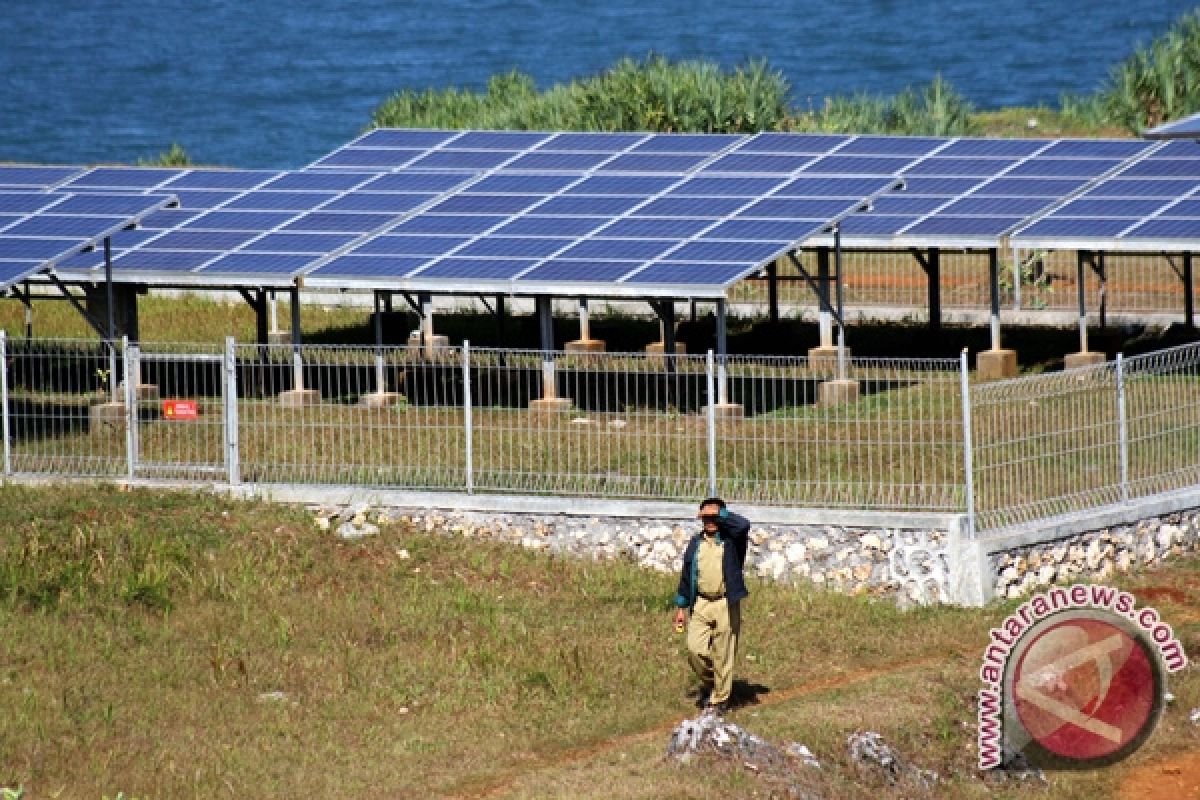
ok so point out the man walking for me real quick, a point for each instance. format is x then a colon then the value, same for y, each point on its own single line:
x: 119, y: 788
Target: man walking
x: 711, y: 585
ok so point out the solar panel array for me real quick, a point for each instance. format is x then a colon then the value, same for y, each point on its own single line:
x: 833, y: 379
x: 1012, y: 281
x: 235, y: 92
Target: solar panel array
x: 40, y: 229
x: 622, y: 213
x: 1186, y: 128
x: 1150, y: 204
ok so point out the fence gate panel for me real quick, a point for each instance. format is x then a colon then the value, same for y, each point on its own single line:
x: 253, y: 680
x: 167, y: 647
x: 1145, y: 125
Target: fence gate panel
x: 180, y: 432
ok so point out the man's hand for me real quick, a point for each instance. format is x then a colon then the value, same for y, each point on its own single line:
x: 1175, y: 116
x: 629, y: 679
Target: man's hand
x: 680, y: 618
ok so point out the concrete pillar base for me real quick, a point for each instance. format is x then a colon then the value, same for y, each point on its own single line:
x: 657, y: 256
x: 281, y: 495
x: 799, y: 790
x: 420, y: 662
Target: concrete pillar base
x: 727, y: 410
x: 992, y: 365
x: 143, y: 392
x: 824, y: 358
x: 585, y: 346
x: 834, y: 393
x: 106, y: 417
x: 381, y: 399
x: 295, y: 398
x: 656, y: 348
x: 551, y: 405
x: 436, y: 341
x: 1086, y: 358
x: 279, y: 337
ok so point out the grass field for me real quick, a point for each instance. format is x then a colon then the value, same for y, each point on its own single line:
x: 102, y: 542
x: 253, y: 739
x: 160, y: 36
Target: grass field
x: 183, y: 645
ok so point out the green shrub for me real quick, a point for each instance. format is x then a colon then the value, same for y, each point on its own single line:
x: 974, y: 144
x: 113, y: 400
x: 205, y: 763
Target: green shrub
x: 1159, y: 82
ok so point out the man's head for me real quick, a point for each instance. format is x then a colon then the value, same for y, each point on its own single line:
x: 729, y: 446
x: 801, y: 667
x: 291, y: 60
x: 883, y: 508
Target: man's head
x: 710, y: 511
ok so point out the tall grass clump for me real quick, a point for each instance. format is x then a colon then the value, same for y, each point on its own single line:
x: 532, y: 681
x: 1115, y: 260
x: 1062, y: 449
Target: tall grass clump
x: 1159, y: 82
x: 936, y: 109
x: 175, y: 156
x: 654, y: 94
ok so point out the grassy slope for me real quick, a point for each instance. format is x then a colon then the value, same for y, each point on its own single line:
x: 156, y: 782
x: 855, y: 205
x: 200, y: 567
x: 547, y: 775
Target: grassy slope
x: 141, y: 632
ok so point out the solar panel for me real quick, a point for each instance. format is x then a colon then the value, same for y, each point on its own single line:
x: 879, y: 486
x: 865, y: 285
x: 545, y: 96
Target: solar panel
x: 43, y: 229
x: 35, y: 177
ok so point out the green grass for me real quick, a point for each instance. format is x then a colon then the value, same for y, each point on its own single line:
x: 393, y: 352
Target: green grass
x: 180, y: 645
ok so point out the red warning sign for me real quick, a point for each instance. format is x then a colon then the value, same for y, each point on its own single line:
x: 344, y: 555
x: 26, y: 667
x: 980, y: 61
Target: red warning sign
x: 180, y: 409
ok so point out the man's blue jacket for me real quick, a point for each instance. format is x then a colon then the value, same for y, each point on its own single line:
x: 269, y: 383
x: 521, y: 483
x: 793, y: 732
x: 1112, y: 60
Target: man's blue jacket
x: 731, y: 531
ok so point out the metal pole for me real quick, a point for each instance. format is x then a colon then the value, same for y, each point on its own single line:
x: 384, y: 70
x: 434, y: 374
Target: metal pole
x: 425, y: 299
x: 934, y: 276
x: 380, y: 378
x: 585, y: 327
x: 110, y: 325
x: 994, y: 280
x: 546, y: 328
x: 5, y: 425
x: 841, y: 310
x: 1122, y: 428
x: 711, y: 422
x: 1080, y: 257
x: 968, y: 461
x: 824, y: 314
x: 467, y: 419
x: 1016, y: 279
x: 273, y: 306
x: 233, y: 458
x: 1188, y: 300
x: 27, y: 301
x: 297, y: 362
x: 773, y: 292
x: 722, y: 378
x: 131, y: 406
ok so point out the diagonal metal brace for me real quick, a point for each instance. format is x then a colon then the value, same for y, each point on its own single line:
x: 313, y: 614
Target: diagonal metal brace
x: 823, y: 302
x: 83, y: 312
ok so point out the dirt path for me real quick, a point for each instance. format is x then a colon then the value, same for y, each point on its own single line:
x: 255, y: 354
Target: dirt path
x: 1175, y: 778
x: 498, y: 785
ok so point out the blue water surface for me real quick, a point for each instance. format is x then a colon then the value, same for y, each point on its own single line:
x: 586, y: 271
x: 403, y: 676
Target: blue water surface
x: 264, y: 83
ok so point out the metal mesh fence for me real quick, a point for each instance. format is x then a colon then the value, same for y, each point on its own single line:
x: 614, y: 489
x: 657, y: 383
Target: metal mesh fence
x: 1060, y: 443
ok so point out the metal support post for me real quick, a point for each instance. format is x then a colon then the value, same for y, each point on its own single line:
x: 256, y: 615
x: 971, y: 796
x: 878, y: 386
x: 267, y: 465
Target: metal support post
x: 27, y: 301
x: 1016, y: 279
x: 968, y: 460
x: 380, y: 377
x: 5, y: 424
x: 425, y: 299
x: 773, y: 292
x: 1080, y: 258
x: 546, y: 329
x: 824, y: 308
x: 711, y: 425
x: 722, y: 378
x: 933, y: 271
x: 467, y: 419
x: 994, y: 284
x: 273, y: 306
x: 229, y: 393
x: 1122, y: 429
x: 841, y: 309
x: 666, y: 317
x: 131, y: 406
x: 1189, y: 308
x: 1099, y: 267
x: 585, y: 326
x: 297, y: 341
x: 110, y: 327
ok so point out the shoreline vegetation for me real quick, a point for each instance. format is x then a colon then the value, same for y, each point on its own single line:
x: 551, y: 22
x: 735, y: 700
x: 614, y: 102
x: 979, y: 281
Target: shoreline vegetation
x: 1158, y: 82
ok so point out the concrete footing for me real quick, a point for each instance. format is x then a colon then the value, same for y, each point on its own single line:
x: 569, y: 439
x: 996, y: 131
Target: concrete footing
x: 1086, y: 358
x: 833, y: 393
x: 992, y: 365
x: 823, y: 358
x: 585, y: 346
x: 279, y: 337
x: 380, y: 399
x: 656, y: 348
x: 727, y: 411
x: 106, y: 417
x: 436, y: 341
x: 295, y: 398
x: 551, y: 405
x: 143, y: 392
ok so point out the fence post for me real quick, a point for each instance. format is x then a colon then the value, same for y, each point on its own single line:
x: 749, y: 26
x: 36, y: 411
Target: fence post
x: 968, y: 459
x: 467, y: 421
x: 712, y: 426
x: 229, y: 395
x: 132, y: 373
x: 1122, y: 429
x: 5, y: 425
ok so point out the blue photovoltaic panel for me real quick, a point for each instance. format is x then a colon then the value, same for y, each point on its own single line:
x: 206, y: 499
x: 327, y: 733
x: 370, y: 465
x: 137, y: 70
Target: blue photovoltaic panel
x: 741, y: 252
x: 901, y: 203
x: 484, y: 204
x: 334, y: 222
x: 35, y: 177
x: 942, y: 187
x: 1063, y: 167
x: 704, y: 186
x: 587, y: 205
x: 462, y: 159
x: 1076, y: 227
x: 279, y: 201
x: 508, y: 183
x: 858, y: 165
x: 498, y: 140
x: 416, y: 181
x: 201, y: 240
x: 590, y: 271
x: 161, y: 260
x: 366, y: 157
x: 448, y: 223
x: 793, y: 208
x: 646, y: 162
x: 1121, y: 187
x: 1187, y: 128
x: 220, y: 179
x: 27, y: 202
x: 477, y: 268
x: 591, y: 142
x: 401, y: 138
x: 203, y: 199
x: 985, y: 148
x: 686, y: 143
x: 1184, y: 148
x: 35, y: 250
x: 1030, y: 187
x: 875, y: 224
x: 813, y: 186
x: 892, y: 146
x: 371, y: 266
x: 411, y: 245
x: 709, y: 207
x: 1165, y: 168
x: 964, y: 226
x: 320, y: 181
x: 238, y: 220
x: 311, y: 243
x: 619, y: 249
x: 1109, y: 207
x: 1184, y: 208
x: 995, y: 206
x: 1095, y: 148
x: 770, y: 230
x: 684, y: 273
x: 642, y: 185
x: 953, y: 167
x: 575, y: 162
x: 1167, y: 229
x: 513, y: 247
x: 378, y: 202
x: 122, y: 178
x: 762, y: 163
x: 259, y: 263
x: 552, y: 226
x: 811, y: 144
x: 656, y: 228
